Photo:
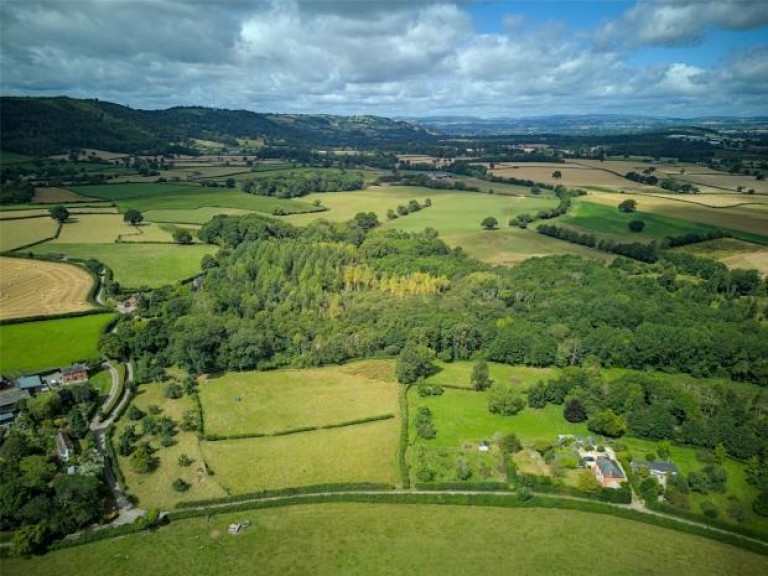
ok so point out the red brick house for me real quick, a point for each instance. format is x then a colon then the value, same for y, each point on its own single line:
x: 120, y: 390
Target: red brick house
x: 75, y: 374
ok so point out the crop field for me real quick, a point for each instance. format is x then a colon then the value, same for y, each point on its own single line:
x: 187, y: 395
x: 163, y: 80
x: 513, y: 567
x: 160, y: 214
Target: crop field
x: 723, y: 180
x: 54, y: 195
x: 196, y: 216
x: 459, y: 374
x: 719, y: 200
x: 462, y: 416
x: 154, y: 489
x: 107, y: 228
x: 609, y: 221
x: 372, y: 539
x: 136, y: 264
x: 360, y: 453
x: 34, y: 288
x: 66, y: 340
x: 17, y: 233
x: 265, y: 402
x: 732, y: 253
x: 572, y: 175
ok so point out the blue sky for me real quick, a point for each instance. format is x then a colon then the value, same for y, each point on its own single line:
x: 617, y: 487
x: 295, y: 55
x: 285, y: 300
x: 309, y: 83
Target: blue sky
x: 397, y: 57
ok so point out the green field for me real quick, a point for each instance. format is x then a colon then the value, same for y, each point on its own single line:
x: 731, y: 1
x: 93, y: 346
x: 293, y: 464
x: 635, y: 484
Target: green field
x: 136, y: 264
x: 459, y: 374
x: 106, y: 229
x: 44, y: 344
x: 154, y: 489
x: 17, y: 233
x: 462, y: 416
x: 196, y: 216
x: 609, y: 221
x: 373, y: 539
x: 265, y: 402
x: 146, y: 197
x: 360, y: 453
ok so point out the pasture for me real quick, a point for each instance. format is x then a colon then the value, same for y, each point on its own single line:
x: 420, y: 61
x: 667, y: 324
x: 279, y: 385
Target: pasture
x: 136, y: 264
x: 462, y: 416
x: 360, y: 453
x: 35, y: 288
x: 266, y: 402
x: 733, y: 253
x: 459, y: 374
x: 195, y: 216
x: 118, y: 192
x: 66, y: 340
x: 154, y: 489
x: 17, y: 233
x: 572, y: 175
x: 44, y: 212
x: 108, y: 228
x: 374, y: 539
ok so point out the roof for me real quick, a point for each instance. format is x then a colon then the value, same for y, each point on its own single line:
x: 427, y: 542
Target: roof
x: 660, y: 466
x: 609, y: 468
x: 63, y: 442
x: 27, y: 382
x: 74, y: 369
x: 12, y: 396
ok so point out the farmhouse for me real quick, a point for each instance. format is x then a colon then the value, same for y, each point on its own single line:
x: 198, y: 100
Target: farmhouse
x: 9, y: 400
x: 75, y: 374
x: 64, y: 447
x: 608, y: 473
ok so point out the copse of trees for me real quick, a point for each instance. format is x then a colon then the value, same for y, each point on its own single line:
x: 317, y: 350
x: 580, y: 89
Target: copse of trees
x: 302, y: 183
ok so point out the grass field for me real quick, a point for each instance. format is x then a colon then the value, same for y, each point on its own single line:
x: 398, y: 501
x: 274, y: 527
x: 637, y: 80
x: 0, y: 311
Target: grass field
x: 154, y: 489
x: 66, y: 340
x: 360, y: 453
x: 137, y: 264
x: 572, y: 175
x: 604, y: 220
x: 102, y: 381
x: 459, y: 374
x: 196, y: 216
x: 34, y: 288
x: 40, y: 212
x: 107, y: 228
x: 17, y: 233
x: 146, y: 196
x: 377, y: 539
x: 732, y: 253
x: 460, y: 417
x: 265, y: 402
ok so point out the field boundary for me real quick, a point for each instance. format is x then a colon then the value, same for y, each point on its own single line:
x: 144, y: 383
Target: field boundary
x: 298, y: 430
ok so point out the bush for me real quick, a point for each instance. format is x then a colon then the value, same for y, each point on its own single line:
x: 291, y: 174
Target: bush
x: 180, y: 486
x: 708, y: 509
x: 636, y: 226
x: 173, y: 391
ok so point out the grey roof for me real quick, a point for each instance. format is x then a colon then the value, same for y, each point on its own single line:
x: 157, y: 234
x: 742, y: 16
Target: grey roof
x: 660, y: 466
x: 74, y: 369
x: 27, y: 382
x: 609, y: 468
x: 12, y: 396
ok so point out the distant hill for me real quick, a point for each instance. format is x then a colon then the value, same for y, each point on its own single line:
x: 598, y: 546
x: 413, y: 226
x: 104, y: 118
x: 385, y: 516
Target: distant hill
x: 41, y: 126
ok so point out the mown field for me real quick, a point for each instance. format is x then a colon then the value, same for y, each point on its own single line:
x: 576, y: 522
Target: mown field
x: 360, y: 453
x: 732, y: 253
x: 266, y: 402
x: 136, y: 264
x: 108, y: 228
x: 155, y: 489
x: 44, y: 344
x: 374, y: 539
x: 34, y: 288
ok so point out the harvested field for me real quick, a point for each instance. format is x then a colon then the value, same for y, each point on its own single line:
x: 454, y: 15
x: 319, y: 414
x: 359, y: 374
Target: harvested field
x: 17, y: 233
x: 732, y: 253
x: 57, y: 195
x: 572, y: 175
x: 35, y: 288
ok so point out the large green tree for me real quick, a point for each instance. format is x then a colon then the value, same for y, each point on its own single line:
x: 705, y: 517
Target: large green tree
x: 59, y: 213
x: 414, y: 362
x: 133, y: 217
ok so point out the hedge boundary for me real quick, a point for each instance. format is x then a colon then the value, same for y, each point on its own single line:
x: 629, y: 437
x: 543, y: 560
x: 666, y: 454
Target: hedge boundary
x: 299, y: 430
x: 405, y: 475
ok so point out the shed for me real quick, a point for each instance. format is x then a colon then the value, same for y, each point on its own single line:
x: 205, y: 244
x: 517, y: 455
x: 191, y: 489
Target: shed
x: 30, y: 383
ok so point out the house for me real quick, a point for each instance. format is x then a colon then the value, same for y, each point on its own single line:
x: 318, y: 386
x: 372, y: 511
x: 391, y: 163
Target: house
x: 608, y: 472
x: 659, y: 469
x: 31, y: 384
x: 52, y: 380
x: 484, y: 446
x: 9, y: 400
x: 75, y: 374
x: 64, y: 446
x: 439, y: 175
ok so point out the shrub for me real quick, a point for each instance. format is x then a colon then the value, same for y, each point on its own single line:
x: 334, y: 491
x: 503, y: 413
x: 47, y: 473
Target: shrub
x: 180, y: 486
x: 173, y: 391
x: 636, y: 226
x: 708, y: 509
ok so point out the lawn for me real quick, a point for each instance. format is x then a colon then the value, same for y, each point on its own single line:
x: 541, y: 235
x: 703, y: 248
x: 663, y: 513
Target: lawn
x: 377, y: 539
x: 65, y: 341
x: 102, y: 381
x: 136, y: 264
x: 360, y: 453
x: 154, y: 489
x: 265, y: 402
x: 459, y: 374
x: 462, y: 416
x: 17, y: 233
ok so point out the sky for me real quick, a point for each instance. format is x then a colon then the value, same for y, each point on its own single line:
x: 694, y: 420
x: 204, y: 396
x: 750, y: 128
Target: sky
x: 396, y: 58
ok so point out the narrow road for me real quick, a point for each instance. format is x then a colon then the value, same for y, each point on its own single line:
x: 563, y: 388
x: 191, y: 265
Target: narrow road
x: 100, y: 292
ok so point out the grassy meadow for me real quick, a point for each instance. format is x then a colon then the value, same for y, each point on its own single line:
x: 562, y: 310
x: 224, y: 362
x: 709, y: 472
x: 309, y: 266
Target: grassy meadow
x: 32, y: 346
x: 106, y: 229
x: 17, y: 233
x: 374, y: 539
x: 266, y: 402
x: 460, y: 373
x: 732, y: 253
x: 194, y: 216
x: 136, y: 264
x: 360, y: 453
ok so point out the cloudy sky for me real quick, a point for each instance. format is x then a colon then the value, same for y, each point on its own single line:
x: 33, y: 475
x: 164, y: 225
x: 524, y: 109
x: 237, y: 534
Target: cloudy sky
x: 395, y: 57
